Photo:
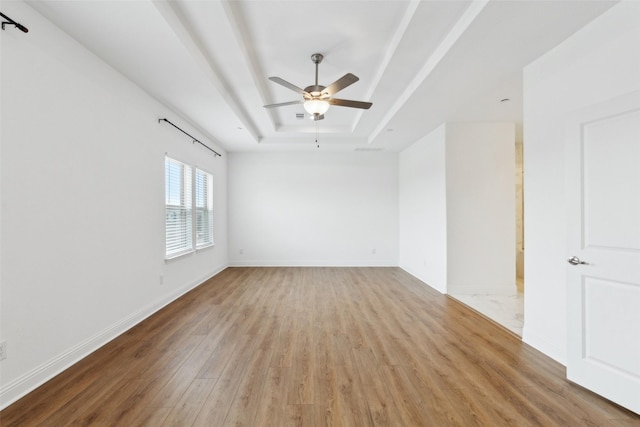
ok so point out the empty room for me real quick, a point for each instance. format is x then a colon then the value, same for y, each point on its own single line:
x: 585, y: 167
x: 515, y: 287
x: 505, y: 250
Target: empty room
x: 354, y: 212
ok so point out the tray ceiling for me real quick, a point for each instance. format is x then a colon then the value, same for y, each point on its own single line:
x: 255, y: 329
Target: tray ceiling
x: 420, y: 62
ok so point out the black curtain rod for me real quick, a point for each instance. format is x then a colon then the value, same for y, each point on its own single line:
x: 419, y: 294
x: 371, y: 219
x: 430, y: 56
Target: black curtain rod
x: 194, y: 139
x: 12, y: 22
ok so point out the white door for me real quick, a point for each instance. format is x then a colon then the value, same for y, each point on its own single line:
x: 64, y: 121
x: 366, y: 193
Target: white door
x: 603, y: 205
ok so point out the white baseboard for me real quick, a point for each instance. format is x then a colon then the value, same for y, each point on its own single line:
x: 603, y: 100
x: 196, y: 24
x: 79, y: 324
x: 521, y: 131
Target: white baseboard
x: 311, y: 263
x: 417, y: 276
x: 18, y: 388
x: 540, y: 343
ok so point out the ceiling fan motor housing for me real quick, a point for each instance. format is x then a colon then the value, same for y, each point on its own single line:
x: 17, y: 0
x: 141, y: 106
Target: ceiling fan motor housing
x: 315, y: 90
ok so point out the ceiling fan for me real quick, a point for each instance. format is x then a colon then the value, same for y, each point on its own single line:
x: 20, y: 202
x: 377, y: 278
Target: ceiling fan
x: 317, y: 98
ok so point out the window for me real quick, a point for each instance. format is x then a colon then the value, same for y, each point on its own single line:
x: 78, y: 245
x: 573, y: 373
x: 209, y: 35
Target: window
x: 188, y: 199
x: 178, y: 208
x: 204, y: 209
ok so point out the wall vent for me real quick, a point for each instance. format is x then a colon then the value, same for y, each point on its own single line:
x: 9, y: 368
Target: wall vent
x: 299, y: 115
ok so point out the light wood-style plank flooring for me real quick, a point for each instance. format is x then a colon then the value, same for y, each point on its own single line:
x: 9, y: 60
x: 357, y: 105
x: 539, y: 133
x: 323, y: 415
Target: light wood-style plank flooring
x: 315, y: 347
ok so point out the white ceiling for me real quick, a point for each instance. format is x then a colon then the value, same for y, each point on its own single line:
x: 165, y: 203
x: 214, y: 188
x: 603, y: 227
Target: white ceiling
x: 421, y: 63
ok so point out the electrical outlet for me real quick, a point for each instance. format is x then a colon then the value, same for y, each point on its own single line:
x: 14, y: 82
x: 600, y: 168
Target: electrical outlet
x: 241, y: 251
x: 373, y: 251
x: 161, y: 280
x: 3, y: 350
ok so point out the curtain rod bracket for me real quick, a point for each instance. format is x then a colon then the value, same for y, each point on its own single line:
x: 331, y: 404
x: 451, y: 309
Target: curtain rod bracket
x: 193, y: 140
x: 10, y: 21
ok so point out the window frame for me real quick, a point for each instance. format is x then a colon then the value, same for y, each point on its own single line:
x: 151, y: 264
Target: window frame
x: 188, y: 200
x: 208, y: 198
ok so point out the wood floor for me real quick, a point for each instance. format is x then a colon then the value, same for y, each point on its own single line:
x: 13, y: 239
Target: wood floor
x: 315, y: 347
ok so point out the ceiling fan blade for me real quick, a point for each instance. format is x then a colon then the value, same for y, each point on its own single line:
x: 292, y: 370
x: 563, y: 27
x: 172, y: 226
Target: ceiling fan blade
x: 282, y: 104
x: 349, y: 103
x: 344, y: 81
x: 288, y: 85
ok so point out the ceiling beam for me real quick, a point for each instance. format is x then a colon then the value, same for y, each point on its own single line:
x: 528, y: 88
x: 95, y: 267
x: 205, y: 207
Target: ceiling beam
x: 205, y: 63
x: 389, y: 54
x: 241, y: 31
x: 469, y: 15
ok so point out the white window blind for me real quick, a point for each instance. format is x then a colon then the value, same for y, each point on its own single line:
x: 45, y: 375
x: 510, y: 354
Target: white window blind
x: 204, y: 208
x: 178, y: 207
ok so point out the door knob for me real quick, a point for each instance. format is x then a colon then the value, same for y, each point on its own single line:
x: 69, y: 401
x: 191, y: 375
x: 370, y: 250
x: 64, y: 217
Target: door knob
x: 574, y: 260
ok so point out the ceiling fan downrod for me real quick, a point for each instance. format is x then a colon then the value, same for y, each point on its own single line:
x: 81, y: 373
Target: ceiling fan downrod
x: 317, y: 59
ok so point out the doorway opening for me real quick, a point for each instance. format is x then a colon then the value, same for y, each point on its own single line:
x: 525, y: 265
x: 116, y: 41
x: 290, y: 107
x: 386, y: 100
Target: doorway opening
x: 507, y: 309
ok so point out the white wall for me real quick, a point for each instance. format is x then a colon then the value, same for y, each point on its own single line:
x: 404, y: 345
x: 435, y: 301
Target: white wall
x: 481, y: 214
x: 457, y: 208
x: 82, y: 175
x: 313, y: 208
x: 423, y: 210
x: 598, y: 63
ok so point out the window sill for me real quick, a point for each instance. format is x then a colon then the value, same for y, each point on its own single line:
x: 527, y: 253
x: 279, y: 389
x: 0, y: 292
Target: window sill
x: 171, y: 257
x: 207, y: 246
x: 189, y: 252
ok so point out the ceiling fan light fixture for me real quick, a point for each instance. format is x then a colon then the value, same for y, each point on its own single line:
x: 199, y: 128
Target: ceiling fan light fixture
x: 316, y: 106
